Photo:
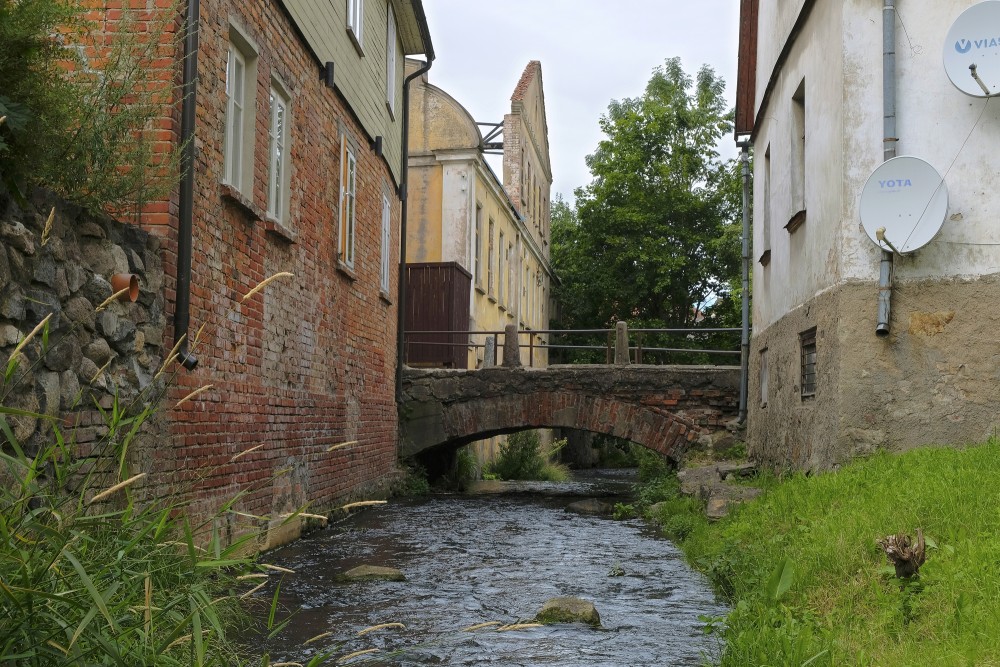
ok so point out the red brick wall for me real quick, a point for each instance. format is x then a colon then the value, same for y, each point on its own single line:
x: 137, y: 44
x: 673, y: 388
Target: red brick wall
x: 310, y: 361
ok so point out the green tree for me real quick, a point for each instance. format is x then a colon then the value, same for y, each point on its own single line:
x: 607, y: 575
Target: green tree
x: 654, y: 240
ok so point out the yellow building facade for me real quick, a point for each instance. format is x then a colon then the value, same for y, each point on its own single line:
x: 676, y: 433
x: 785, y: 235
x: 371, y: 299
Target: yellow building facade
x: 472, y: 236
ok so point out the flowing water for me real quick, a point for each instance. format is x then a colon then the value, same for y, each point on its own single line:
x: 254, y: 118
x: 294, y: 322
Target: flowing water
x: 470, y: 560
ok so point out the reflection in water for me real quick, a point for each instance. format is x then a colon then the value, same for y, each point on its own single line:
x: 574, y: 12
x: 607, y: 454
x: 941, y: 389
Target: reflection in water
x: 472, y: 560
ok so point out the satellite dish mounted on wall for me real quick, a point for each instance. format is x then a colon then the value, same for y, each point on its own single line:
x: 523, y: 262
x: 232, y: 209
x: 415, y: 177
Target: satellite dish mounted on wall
x: 903, y: 204
x: 972, y: 50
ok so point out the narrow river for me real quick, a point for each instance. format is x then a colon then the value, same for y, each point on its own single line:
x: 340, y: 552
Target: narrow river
x: 470, y: 560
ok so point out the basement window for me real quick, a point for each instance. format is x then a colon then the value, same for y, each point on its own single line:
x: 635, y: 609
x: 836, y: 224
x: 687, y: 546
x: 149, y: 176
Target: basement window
x: 807, y: 343
x: 764, y: 378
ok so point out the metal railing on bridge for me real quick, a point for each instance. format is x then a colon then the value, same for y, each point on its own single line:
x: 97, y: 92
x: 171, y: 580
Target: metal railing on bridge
x: 620, y: 345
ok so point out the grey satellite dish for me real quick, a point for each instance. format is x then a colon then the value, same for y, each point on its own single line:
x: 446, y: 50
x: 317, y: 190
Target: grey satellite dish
x: 972, y: 50
x: 903, y: 204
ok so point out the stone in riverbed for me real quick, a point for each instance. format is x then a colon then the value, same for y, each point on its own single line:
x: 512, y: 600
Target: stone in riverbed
x: 568, y: 610
x: 372, y: 572
x: 591, y: 506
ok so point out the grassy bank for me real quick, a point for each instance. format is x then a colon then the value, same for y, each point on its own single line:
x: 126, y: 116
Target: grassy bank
x: 809, y: 585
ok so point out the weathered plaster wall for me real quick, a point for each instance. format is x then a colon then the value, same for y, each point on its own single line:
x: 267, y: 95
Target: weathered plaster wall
x: 803, y: 262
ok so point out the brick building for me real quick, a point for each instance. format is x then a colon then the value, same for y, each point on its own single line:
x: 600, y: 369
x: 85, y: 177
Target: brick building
x: 297, y: 121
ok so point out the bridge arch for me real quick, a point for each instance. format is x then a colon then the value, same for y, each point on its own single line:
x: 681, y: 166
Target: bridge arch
x: 660, y: 408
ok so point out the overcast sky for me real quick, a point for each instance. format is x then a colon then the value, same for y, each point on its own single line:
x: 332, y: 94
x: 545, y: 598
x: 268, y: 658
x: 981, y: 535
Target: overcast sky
x: 592, y: 51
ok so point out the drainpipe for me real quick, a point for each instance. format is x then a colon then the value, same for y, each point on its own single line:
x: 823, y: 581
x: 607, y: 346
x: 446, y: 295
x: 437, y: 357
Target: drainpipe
x: 403, y: 180
x: 189, y: 89
x: 889, y: 148
x: 745, y: 340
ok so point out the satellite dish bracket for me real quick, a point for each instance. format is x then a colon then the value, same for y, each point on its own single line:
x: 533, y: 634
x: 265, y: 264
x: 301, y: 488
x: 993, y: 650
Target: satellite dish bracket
x: 880, y: 235
x: 975, y: 75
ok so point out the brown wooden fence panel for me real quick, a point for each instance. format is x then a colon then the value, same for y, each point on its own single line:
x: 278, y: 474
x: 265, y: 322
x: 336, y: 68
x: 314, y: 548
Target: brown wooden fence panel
x: 437, y: 299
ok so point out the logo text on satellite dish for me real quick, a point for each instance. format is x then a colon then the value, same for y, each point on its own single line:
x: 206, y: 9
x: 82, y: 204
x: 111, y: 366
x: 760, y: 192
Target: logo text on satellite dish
x: 896, y: 183
x: 965, y: 45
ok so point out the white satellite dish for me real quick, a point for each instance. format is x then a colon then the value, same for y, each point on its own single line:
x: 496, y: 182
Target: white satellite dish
x: 903, y: 204
x: 972, y: 50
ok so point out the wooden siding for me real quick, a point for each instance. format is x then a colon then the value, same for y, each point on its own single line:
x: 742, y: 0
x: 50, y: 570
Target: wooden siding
x: 437, y: 299
x: 360, y: 79
x: 746, y: 78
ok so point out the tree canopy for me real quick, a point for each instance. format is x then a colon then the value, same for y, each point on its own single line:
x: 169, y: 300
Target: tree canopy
x: 653, y: 239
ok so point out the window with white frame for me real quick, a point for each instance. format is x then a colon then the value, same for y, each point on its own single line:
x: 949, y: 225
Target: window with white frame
x: 237, y: 146
x: 348, y: 190
x: 355, y: 19
x: 490, y: 281
x: 390, y: 62
x: 278, y: 177
x: 386, y: 242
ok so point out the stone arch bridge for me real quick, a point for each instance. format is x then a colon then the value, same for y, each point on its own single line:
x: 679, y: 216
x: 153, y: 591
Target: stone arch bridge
x: 662, y: 408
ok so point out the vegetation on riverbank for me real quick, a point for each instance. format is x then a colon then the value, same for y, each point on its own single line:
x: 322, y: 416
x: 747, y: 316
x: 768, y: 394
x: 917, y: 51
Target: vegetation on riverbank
x: 523, y: 457
x: 809, y: 585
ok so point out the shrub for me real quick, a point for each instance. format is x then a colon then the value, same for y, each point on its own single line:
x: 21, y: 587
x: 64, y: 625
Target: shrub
x: 521, y: 457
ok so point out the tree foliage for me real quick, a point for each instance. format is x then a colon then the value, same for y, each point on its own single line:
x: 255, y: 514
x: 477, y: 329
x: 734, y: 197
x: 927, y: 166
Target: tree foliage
x: 653, y: 240
x: 79, y: 110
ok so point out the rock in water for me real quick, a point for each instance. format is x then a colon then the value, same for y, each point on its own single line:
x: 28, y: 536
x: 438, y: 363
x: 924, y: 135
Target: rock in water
x: 591, y: 506
x: 370, y: 572
x: 568, y: 610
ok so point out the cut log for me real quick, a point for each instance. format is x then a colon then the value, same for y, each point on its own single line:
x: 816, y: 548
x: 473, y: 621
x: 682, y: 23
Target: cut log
x: 905, y: 556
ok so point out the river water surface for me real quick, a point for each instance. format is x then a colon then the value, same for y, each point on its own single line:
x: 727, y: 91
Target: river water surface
x: 470, y: 560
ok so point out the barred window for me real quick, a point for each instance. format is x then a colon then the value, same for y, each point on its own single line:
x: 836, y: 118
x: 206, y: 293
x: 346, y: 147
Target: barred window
x: 807, y: 342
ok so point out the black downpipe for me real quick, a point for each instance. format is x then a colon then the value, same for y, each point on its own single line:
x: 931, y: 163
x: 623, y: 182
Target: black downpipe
x: 189, y: 90
x: 403, y: 180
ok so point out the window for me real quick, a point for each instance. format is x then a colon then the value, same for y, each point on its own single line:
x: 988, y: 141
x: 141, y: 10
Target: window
x: 764, y: 378
x: 348, y: 188
x: 798, y: 158
x: 237, y: 146
x: 477, y: 250
x: 807, y: 342
x: 510, y: 275
x: 390, y: 62
x: 386, y: 242
x: 490, y: 286
x: 277, y: 180
x: 355, y: 20
x: 501, y: 279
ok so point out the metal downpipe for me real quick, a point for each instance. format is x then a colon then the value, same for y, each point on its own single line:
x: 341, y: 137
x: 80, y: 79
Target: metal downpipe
x: 189, y: 91
x: 403, y: 180
x: 889, y: 142
x: 745, y: 339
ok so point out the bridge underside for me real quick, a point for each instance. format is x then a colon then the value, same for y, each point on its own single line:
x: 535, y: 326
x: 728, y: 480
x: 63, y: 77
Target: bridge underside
x: 658, y: 407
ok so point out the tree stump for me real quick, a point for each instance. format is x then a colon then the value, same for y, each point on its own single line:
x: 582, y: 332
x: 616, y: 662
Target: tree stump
x: 906, y: 556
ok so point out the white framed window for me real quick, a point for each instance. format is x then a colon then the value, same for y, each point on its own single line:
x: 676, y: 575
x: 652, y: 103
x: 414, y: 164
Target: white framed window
x: 386, y: 242
x: 501, y: 279
x: 348, y: 200
x: 490, y: 280
x: 355, y: 20
x: 237, y: 143
x: 278, y: 158
x: 477, y: 250
x: 390, y: 62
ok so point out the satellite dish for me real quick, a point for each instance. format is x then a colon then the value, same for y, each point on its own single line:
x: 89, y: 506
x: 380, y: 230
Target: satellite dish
x: 972, y: 50
x: 903, y: 204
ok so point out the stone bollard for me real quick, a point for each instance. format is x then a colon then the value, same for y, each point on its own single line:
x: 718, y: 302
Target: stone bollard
x: 621, y: 344
x: 511, y: 347
x: 490, y: 352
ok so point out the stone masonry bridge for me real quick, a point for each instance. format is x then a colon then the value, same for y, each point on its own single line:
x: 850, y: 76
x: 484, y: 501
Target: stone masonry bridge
x: 662, y: 408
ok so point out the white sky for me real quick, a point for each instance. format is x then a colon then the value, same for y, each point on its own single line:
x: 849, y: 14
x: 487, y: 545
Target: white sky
x: 592, y: 51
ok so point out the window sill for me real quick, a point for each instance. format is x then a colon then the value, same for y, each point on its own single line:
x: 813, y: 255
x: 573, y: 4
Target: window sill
x: 765, y: 257
x: 480, y: 289
x: 346, y: 270
x: 503, y: 308
x: 241, y: 201
x: 276, y: 228
x: 355, y: 41
x: 392, y: 113
x: 492, y: 298
x: 797, y: 221
x: 384, y: 297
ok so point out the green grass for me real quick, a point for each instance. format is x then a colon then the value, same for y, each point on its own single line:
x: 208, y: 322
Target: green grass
x: 809, y: 585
